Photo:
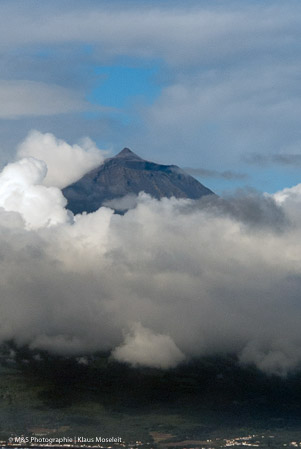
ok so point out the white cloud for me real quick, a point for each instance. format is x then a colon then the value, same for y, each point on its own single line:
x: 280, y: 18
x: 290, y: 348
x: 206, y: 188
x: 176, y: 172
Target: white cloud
x: 21, y: 191
x: 65, y: 163
x: 143, y: 347
x: 289, y: 194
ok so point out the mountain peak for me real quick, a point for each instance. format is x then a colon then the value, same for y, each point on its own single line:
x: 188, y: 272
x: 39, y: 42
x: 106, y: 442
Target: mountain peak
x: 128, y: 154
x: 128, y: 174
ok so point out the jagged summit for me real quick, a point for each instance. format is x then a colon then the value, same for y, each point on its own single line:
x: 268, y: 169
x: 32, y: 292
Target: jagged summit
x: 127, y: 173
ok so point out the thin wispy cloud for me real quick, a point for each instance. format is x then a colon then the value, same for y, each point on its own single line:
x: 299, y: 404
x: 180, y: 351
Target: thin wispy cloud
x: 205, y: 173
x: 293, y: 160
x: 31, y: 98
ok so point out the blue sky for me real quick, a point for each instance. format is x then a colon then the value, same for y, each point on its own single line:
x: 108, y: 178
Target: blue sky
x: 213, y: 86
x: 122, y: 85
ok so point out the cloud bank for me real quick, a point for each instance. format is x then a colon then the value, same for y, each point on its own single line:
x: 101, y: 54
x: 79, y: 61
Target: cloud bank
x: 166, y: 281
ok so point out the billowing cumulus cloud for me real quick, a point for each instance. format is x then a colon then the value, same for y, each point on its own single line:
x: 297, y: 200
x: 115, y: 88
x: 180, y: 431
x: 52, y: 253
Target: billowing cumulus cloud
x: 21, y: 190
x: 65, y: 163
x: 143, y: 347
x: 166, y: 281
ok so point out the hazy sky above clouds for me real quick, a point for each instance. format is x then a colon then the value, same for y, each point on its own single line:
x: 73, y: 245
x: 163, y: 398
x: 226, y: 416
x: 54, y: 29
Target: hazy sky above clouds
x: 208, y: 85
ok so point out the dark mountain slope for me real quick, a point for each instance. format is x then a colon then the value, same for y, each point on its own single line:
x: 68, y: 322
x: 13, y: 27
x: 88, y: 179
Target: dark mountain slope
x: 126, y: 174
